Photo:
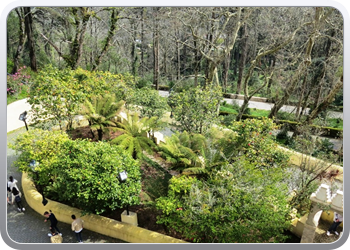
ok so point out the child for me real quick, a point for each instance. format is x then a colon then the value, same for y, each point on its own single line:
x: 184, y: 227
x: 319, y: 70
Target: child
x: 17, y: 199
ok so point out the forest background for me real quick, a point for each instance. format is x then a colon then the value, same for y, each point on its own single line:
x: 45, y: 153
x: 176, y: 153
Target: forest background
x: 289, y: 55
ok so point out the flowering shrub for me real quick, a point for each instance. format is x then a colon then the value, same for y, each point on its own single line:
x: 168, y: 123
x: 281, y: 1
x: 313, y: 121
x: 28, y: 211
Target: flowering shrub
x: 16, y: 81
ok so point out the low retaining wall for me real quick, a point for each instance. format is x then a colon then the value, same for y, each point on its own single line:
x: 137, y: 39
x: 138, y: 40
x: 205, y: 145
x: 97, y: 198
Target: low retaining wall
x: 96, y: 223
x: 298, y: 159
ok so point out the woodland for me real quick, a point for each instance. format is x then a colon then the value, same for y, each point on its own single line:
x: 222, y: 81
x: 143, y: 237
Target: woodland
x: 221, y: 176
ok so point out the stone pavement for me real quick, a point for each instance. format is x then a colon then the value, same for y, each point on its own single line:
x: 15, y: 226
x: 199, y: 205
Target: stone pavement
x: 29, y: 226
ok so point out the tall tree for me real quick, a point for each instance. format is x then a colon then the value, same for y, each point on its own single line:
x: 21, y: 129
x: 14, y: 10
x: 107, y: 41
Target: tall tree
x: 81, y: 16
x: 114, y: 17
x: 28, y: 20
x: 316, y: 24
x: 156, y: 46
x: 211, y: 44
x: 21, y: 40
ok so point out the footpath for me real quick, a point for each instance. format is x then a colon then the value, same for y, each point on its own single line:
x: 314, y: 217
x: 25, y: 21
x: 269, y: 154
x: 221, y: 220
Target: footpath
x: 29, y: 226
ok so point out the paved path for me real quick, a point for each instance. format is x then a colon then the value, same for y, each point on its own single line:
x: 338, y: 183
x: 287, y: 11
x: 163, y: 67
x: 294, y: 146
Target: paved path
x: 265, y: 105
x: 29, y: 227
x: 337, y: 144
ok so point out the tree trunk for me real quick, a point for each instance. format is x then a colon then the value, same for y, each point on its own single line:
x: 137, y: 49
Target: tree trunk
x: 107, y: 42
x: 29, y: 31
x: 243, y: 58
x: 21, y: 40
x: 143, y: 10
x: 178, y: 75
x: 328, y: 100
x: 303, y: 65
x: 226, y: 71
x: 156, y: 47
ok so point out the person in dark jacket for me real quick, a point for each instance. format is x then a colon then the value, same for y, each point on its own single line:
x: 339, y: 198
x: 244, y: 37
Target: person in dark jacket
x: 18, y: 199
x: 53, y: 226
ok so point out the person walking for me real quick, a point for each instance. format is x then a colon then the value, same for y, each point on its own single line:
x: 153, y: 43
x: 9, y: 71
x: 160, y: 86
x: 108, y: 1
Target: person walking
x: 12, y: 183
x: 338, y: 218
x: 8, y: 195
x: 77, y: 227
x: 53, y: 226
x: 18, y: 199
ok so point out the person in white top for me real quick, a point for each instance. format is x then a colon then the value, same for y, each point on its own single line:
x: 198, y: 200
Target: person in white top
x: 12, y: 183
x: 338, y: 218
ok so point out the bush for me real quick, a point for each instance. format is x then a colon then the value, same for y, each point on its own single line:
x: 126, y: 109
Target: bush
x: 80, y: 173
x: 237, y: 204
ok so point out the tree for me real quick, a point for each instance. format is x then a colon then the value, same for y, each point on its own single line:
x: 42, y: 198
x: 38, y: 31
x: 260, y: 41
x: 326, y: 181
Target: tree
x: 326, y: 102
x: 41, y: 146
x: 148, y: 102
x: 101, y: 113
x: 219, y: 20
x: 115, y: 16
x: 21, y: 40
x: 57, y: 94
x: 264, y: 51
x: 28, y: 21
x: 80, y: 17
x: 320, y: 17
x: 196, y: 109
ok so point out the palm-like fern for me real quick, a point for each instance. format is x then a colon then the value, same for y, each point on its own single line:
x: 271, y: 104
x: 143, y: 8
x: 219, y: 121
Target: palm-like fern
x: 101, y: 113
x: 135, y: 134
x: 195, y: 154
x: 183, y: 149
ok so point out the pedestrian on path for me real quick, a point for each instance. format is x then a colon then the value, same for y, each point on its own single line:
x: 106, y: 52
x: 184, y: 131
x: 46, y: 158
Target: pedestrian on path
x: 12, y: 183
x: 338, y: 218
x: 18, y: 199
x: 8, y: 194
x: 77, y: 227
x: 53, y: 226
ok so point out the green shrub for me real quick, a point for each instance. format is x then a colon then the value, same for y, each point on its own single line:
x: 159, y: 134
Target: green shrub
x: 80, y: 173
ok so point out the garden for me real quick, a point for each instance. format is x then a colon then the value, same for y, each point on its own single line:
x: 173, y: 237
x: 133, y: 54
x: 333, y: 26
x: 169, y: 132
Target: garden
x: 209, y: 181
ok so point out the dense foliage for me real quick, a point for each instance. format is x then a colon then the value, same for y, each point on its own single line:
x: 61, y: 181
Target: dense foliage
x: 244, y: 195
x: 101, y: 112
x: 79, y: 172
x: 239, y: 204
x: 58, y: 94
x: 148, y: 102
x: 196, y: 109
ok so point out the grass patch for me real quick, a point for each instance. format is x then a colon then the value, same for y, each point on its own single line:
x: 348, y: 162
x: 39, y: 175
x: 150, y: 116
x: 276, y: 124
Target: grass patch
x: 259, y: 112
x: 335, y: 123
x: 227, y: 109
x: 20, y: 96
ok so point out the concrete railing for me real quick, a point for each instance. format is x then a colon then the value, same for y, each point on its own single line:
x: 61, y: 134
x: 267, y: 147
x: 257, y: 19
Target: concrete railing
x: 96, y: 223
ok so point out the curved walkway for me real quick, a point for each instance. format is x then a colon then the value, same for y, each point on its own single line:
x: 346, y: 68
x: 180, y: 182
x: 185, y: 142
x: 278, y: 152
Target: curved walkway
x: 264, y: 105
x: 29, y: 227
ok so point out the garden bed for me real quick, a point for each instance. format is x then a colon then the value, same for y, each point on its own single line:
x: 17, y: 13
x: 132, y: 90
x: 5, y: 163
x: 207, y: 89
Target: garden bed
x: 154, y: 184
